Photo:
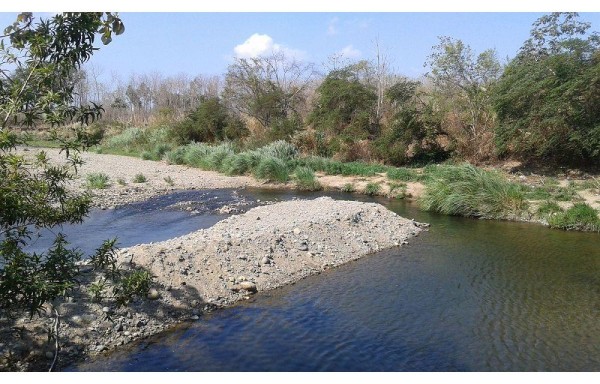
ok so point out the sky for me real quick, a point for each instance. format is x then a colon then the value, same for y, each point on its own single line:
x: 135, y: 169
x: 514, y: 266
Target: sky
x: 205, y: 43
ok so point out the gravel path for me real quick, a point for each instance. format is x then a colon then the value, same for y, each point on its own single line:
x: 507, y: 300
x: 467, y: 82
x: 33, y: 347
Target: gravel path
x: 262, y: 249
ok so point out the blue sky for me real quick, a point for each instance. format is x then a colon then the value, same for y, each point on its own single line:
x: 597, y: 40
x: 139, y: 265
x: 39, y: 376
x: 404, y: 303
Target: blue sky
x: 204, y: 43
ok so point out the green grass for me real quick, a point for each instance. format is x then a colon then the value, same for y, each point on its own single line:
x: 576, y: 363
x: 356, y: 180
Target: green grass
x: 306, y: 180
x: 403, y: 174
x: 580, y: 217
x: 465, y: 190
x: 139, y: 178
x: 548, y: 209
x: 372, y: 189
x: 97, y: 181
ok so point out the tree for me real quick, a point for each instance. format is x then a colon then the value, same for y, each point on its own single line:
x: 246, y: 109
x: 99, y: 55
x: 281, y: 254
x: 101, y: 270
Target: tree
x: 413, y: 132
x: 210, y: 122
x: 37, y: 60
x: 462, y: 88
x: 270, y: 89
x: 547, y: 99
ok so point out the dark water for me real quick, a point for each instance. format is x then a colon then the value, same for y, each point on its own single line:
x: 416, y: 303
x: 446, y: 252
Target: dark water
x: 157, y: 219
x: 468, y: 295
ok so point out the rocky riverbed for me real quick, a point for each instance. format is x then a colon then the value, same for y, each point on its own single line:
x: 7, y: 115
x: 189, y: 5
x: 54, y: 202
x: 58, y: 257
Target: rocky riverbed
x: 262, y: 249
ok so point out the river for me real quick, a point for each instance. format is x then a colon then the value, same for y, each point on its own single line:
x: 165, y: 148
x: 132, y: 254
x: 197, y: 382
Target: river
x: 468, y: 295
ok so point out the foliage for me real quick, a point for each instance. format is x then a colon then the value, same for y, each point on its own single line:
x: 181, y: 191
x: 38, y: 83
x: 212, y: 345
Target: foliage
x: 37, y: 60
x: 306, y: 180
x: 580, y: 217
x: 270, y: 89
x: 462, y: 90
x: 210, y: 122
x: 345, y: 106
x: 132, y: 285
x: 547, y: 99
x: 466, y: 190
x: 97, y: 180
x: 412, y: 133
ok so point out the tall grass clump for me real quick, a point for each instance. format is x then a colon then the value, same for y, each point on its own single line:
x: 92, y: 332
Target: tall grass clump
x: 279, y: 149
x: 580, y: 217
x: 547, y: 209
x: 216, y: 155
x: 271, y: 169
x: 195, y: 155
x: 466, y: 190
x: 306, y: 180
x: 237, y: 164
x: 372, y: 189
x: 97, y: 180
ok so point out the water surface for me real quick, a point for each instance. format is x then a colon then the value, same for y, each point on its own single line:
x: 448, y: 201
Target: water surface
x: 468, y: 295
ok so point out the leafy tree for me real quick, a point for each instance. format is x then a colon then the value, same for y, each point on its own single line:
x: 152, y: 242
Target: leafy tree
x: 412, y: 134
x: 462, y: 84
x: 210, y: 122
x: 345, y: 105
x: 547, y: 99
x: 37, y: 59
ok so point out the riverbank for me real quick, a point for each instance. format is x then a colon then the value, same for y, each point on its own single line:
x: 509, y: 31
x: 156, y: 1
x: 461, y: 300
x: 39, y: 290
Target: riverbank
x: 262, y: 249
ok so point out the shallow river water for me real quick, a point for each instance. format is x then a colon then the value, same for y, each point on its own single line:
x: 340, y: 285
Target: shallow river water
x: 468, y: 295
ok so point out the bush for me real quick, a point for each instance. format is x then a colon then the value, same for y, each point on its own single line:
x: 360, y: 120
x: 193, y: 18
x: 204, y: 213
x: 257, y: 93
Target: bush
x: 580, y: 217
x: 97, y: 180
x: 176, y: 156
x: 271, y: 168
x: 372, y: 189
x: 139, y: 178
x: 306, y: 180
x: 469, y: 191
x: 137, y: 283
x: 280, y: 149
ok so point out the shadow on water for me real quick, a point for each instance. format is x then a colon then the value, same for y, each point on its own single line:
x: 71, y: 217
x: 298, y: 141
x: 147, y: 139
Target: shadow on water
x: 468, y: 295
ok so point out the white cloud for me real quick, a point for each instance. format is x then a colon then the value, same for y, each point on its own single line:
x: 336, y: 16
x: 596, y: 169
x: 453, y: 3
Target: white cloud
x: 259, y: 44
x: 350, y: 52
x: 332, y: 27
x: 256, y: 45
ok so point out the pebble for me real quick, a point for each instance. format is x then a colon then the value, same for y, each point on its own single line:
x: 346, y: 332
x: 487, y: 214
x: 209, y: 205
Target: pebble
x: 153, y: 294
x: 248, y: 286
x: 50, y: 355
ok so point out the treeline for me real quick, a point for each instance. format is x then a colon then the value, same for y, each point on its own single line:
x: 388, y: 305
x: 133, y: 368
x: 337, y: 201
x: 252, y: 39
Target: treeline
x: 542, y: 106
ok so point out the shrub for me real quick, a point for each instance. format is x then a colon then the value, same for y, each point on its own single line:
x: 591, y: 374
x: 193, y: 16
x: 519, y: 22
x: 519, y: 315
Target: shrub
x: 97, y: 180
x: 372, y: 189
x: 469, y: 191
x: 306, y: 180
x: 271, y: 168
x: 137, y: 283
x: 139, y: 178
x: 580, y: 216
